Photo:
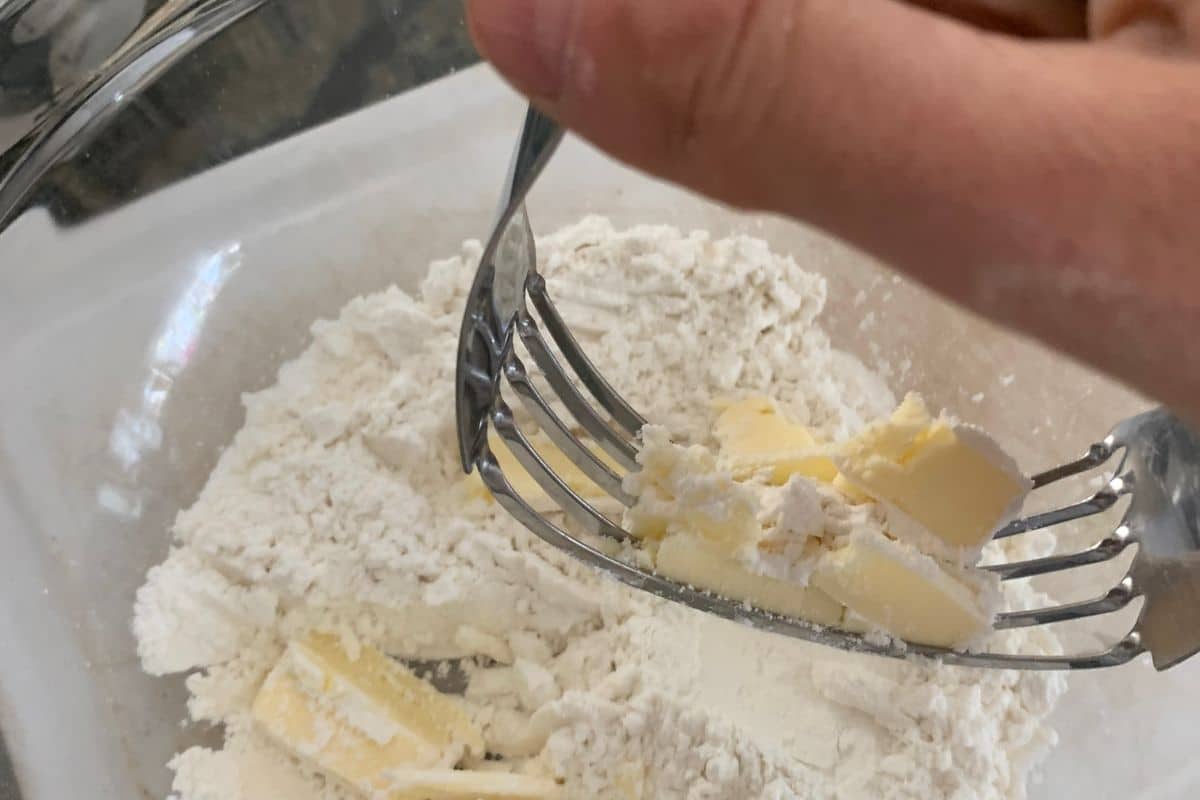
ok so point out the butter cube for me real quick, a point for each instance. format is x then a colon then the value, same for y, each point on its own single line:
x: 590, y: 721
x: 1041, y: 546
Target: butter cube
x: 849, y: 490
x: 524, y: 484
x: 357, y: 719
x: 907, y: 593
x: 449, y: 784
x: 935, y: 476
x: 693, y: 561
x: 755, y: 437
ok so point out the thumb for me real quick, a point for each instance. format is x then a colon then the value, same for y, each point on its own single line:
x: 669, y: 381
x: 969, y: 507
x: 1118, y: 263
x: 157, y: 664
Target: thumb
x: 1046, y: 185
x: 861, y: 116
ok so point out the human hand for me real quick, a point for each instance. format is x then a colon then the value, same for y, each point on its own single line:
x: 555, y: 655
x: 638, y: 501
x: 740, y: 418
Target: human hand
x: 1050, y: 184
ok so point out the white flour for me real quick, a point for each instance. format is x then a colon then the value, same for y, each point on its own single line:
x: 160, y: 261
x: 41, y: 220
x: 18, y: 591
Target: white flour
x: 340, y: 506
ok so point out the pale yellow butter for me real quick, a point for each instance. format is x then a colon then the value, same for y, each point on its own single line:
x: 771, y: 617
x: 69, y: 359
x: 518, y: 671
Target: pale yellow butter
x: 443, y: 784
x: 939, y: 490
x: 906, y: 593
x: 529, y: 489
x: 951, y: 480
x: 693, y: 561
x: 356, y: 719
x: 755, y: 437
x: 849, y: 490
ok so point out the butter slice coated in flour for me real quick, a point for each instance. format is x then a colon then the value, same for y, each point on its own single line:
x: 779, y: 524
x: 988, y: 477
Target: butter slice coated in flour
x: 692, y: 561
x: 935, y: 476
x: 886, y: 544
x: 906, y: 593
x: 377, y: 728
x: 359, y: 716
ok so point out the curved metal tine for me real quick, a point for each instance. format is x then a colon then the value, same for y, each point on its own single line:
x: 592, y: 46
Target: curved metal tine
x: 543, y: 528
x: 735, y: 610
x: 1114, y: 599
x: 1106, y: 549
x: 738, y: 611
x: 560, y: 435
x: 1096, y: 455
x: 1122, y: 652
x: 1102, y: 500
x: 579, y: 509
x: 605, y: 394
x: 614, y: 443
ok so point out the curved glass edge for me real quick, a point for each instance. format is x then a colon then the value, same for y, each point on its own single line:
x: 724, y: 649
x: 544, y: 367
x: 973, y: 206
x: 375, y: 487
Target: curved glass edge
x: 277, y: 72
x: 12, y: 8
x: 160, y: 43
x: 49, y: 47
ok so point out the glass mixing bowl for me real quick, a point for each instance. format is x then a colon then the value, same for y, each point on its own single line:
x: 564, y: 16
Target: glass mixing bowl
x: 136, y: 308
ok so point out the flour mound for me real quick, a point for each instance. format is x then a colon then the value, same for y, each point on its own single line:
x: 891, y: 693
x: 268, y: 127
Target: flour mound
x: 340, y: 507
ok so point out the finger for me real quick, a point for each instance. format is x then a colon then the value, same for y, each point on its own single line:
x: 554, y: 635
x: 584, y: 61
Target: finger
x: 1048, y: 186
x: 1032, y: 18
x: 875, y: 120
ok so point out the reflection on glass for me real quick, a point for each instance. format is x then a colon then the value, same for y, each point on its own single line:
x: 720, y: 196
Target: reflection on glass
x: 137, y: 430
